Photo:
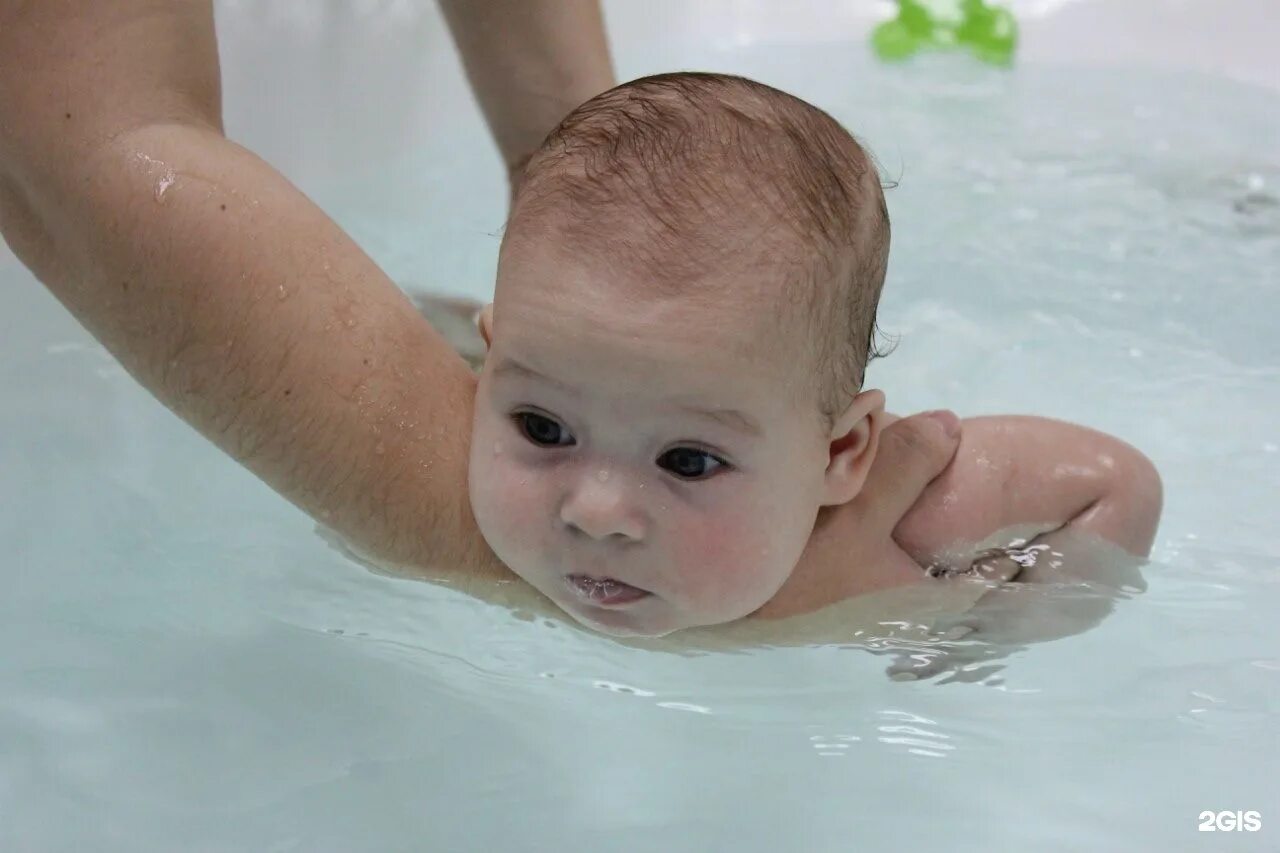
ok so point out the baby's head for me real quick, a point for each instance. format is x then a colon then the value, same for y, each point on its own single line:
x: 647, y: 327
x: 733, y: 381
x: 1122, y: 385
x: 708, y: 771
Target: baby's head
x: 685, y: 304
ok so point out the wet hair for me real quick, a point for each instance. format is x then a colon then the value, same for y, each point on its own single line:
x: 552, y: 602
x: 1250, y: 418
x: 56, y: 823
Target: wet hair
x: 687, y: 174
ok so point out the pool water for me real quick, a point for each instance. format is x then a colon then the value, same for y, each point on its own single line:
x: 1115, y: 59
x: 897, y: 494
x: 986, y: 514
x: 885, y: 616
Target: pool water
x: 188, y: 665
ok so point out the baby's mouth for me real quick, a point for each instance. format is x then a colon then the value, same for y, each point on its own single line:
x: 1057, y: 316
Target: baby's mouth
x: 605, y: 592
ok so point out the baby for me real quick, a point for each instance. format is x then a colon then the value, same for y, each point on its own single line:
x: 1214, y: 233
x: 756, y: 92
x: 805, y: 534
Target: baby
x: 672, y: 401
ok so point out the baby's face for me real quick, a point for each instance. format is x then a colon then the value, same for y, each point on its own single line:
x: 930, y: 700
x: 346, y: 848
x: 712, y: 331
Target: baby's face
x: 640, y: 460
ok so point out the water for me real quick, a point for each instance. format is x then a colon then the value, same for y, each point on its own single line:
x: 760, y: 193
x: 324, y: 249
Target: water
x: 187, y: 665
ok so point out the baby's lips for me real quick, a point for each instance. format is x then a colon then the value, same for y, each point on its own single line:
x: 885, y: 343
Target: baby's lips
x: 948, y: 419
x: 605, y: 591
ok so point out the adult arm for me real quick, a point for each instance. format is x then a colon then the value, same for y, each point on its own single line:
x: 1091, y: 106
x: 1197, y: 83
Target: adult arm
x: 1054, y: 502
x: 1054, y: 484
x: 218, y: 285
x: 530, y: 63
x: 234, y: 300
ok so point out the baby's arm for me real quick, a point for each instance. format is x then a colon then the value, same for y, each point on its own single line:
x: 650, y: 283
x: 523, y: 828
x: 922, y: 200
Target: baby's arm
x: 1046, y: 480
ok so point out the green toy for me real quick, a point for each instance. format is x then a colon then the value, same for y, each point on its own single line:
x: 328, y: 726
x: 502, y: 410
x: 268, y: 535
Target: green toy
x: 990, y: 32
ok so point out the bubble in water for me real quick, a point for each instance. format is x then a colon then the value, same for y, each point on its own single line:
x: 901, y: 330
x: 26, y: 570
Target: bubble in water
x: 615, y: 687
x: 602, y: 476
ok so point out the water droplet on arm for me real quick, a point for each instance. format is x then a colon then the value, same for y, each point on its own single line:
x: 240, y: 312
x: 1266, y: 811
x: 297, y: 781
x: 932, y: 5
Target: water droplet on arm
x: 162, y: 185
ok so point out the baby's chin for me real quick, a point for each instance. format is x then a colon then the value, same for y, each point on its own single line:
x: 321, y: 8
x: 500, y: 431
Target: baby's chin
x: 622, y: 623
x: 650, y: 617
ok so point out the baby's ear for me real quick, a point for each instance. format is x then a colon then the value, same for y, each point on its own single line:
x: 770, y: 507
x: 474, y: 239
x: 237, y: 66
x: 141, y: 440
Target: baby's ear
x: 854, y: 437
x: 484, y: 323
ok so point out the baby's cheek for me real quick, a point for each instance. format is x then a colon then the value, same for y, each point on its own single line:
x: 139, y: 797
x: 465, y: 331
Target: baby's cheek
x: 508, y: 509
x: 729, y: 557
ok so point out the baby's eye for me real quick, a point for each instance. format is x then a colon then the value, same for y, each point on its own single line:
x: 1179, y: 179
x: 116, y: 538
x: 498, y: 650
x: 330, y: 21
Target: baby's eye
x: 541, y: 430
x: 690, y: 463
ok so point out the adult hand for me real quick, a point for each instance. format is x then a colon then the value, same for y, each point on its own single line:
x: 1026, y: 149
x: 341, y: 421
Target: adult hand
x: 1046, y: 603
x: 851, y: 551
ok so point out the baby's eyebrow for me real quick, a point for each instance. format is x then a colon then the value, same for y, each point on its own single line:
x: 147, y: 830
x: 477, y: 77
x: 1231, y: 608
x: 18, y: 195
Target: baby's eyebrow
x: 509, y: 366
x: 729, y: 418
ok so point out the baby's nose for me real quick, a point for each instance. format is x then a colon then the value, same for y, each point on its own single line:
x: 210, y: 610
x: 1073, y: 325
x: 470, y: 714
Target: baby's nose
x: 600, y: 506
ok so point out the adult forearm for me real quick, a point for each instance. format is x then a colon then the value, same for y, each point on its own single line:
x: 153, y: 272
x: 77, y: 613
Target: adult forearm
x: 1124, y: 512
x: 245, y: 310
x: 530, y: 62
x: 1019, y: 478
x: 1127, y: 513
x: 232, y: 298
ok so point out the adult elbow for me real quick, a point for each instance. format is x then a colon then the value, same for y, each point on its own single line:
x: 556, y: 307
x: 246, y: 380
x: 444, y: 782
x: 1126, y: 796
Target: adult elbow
x: 1136, y: 502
